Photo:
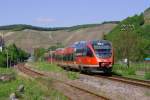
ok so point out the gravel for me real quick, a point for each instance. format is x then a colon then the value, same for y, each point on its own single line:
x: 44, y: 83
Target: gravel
x: 115, y: 90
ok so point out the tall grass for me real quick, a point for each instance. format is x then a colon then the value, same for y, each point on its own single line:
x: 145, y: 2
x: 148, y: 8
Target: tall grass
x: 147, y: 75
x: 122, y: 69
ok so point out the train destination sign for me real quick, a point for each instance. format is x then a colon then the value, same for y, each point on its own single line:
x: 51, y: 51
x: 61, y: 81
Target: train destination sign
x: 101, y: 47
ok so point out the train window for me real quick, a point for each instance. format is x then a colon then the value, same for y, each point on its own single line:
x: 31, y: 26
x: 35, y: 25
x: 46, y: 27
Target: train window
x: 84, y: 52
x: 79, y: 52
x: 72, y: 57
x: 89, y: 52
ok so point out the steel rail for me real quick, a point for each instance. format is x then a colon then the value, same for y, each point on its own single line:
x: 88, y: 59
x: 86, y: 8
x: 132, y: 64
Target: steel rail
x: 136, y: 82
x: 34, y: 73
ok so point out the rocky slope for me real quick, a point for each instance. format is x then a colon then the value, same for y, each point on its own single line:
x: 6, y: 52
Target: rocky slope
x: 29, y: 39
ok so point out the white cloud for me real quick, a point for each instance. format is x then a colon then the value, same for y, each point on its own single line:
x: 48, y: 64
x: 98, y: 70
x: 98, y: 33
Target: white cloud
x: 44, y: 20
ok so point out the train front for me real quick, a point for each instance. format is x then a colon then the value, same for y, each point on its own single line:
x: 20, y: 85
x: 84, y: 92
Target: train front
x: 103, y: 52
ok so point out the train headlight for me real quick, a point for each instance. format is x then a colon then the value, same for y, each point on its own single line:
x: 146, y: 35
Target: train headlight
x: 110, y: 65
x: 102, y: 64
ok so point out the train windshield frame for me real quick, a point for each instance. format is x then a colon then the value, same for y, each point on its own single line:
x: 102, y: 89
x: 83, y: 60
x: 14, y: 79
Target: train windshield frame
x: 102, y: 50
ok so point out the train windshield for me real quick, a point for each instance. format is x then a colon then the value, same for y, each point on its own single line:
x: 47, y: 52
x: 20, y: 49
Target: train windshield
x: 102, y: 50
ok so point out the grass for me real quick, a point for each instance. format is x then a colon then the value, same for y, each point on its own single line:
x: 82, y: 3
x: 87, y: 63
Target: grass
x: 135, y: 66
x: 33, y: 90
x: 54, y: 94
x: 45, y: 66
x: 123, y: 70
x: 9, y: 72
x: 147, y: 75
x: 6, y: 70
x: 73, y: 75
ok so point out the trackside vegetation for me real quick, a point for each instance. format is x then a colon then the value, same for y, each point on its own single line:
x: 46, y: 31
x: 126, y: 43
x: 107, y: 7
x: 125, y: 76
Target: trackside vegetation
x: 6, y: 70
x: 33, y: 88
x: 136, y: 70
x: 45, y: 66
x: 147, y: 75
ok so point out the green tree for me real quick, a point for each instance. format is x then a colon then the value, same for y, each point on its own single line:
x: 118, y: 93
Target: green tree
x: 2, y: 60
x: 14, y: 55
x: 39, y: 53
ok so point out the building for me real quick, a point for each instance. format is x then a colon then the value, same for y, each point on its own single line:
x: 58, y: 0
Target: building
x: 147, y: 60
x: 1, y: 43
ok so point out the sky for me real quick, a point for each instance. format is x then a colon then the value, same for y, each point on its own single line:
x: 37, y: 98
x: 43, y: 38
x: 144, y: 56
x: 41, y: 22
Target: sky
x: 62, y: 13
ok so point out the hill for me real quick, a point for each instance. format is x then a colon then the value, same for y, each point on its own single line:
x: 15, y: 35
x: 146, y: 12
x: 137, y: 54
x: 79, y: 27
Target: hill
x: 132, y: 42
x: 29, y: 37
x: 20, y: 27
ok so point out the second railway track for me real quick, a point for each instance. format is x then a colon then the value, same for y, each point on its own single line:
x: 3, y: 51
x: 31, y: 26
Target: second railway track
x: 84, y: 92
x: 136, y: 82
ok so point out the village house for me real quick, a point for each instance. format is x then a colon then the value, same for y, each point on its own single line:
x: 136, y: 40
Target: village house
x: 1, y: 43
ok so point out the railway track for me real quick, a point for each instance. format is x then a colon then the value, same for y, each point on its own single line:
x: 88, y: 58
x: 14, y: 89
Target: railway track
x: 83, y: 92
x: 28, y: 71
x: 136, y: 82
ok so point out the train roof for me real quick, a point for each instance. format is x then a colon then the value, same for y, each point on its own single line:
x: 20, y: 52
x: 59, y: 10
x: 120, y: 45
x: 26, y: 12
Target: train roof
x: 59, y: 49
x: 105, y: 42
x: 82, y: 44
x: 79, y: 44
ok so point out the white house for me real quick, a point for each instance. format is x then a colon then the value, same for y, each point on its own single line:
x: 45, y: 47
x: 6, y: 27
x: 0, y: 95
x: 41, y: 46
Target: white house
x: 1, y: 43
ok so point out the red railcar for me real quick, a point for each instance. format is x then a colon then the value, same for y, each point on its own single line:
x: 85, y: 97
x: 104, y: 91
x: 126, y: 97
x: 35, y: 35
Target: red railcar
x: 89, y: 56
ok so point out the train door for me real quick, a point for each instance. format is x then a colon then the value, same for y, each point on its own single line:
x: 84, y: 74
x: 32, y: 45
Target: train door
x: 78, y: 56
x: 84, y: 58
x: 88, y: 56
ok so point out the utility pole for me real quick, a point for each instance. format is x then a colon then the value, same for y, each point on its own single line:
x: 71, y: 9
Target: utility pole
x: 1, y: 41
x: 7, y: 58
x: 51, y: 56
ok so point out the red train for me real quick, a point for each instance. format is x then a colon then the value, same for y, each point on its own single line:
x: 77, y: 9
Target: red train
x: 86, y: 56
